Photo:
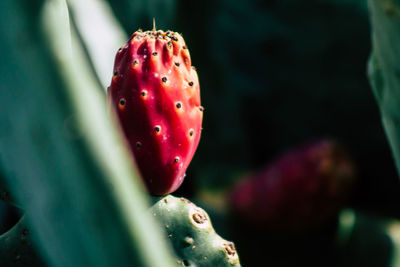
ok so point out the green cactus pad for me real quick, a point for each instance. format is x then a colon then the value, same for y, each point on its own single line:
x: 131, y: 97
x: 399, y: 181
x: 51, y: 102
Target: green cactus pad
x: 16, y: 248
x: 192, y: 235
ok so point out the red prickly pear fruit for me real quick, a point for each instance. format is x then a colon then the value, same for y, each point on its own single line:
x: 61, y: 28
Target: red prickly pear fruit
x: 156, y: 95
x: 303, y: 188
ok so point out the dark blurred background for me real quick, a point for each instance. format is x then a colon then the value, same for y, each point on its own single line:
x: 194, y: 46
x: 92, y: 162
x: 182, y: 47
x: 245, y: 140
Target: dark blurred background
x: 276, y: 74
x: 273, y: 75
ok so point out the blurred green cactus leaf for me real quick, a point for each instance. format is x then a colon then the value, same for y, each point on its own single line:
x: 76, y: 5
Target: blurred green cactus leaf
x: 100, y: 33
x: 62, y: 155
x: 16, y: 248
x: 384, y: 68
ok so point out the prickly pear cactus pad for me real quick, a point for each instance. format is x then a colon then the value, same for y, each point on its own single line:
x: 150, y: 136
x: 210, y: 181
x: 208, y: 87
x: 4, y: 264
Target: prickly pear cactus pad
x: 156, y: 95
x: 16, y: 248
x: 192, y: 235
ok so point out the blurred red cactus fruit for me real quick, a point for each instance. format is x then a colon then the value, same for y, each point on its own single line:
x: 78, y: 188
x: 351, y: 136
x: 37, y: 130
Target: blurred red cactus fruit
x: 156, y: 94
x: 301, y: 189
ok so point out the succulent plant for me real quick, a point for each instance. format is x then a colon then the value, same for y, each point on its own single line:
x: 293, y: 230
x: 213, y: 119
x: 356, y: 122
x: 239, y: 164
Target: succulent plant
x: 192, y: 235
x: 303, y: 187
x: 383, y: 68
x: 155, y: 93
x: 62, y: 158
x: 16, y: 248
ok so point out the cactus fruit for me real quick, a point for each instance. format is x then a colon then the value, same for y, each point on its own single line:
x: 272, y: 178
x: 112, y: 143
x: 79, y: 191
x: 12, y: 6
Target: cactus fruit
x: 304, y: 187
x: 155, y: 92
x: 193, y: 237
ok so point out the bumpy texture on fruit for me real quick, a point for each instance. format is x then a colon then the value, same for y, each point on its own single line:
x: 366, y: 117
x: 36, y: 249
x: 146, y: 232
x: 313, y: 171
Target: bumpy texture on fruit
x: 304, y: 187
x: 194, y: 239
x: 156, y: 94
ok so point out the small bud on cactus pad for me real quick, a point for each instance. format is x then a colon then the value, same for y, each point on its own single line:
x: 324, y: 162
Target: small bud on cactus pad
x: 303, y: 188
x: 155, y: 92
